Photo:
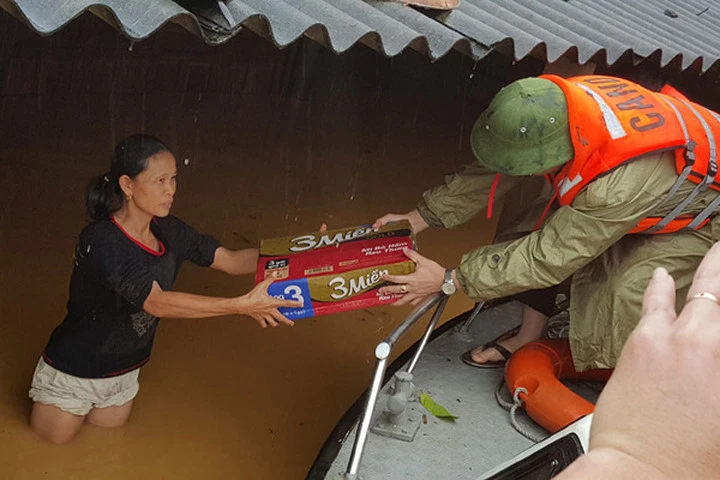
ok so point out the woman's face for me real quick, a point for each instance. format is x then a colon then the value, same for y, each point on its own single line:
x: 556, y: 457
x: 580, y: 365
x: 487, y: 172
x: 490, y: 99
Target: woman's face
x: 152, y: 190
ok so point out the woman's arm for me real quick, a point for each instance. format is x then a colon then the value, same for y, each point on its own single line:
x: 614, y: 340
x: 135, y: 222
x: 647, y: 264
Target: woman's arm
x: 235, y: 262
x: 240, y: 262
x: 257, y: 304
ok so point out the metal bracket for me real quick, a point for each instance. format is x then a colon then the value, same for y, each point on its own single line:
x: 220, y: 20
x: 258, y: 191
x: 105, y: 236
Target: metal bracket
x: 397, y: 421
x: 462, y: 332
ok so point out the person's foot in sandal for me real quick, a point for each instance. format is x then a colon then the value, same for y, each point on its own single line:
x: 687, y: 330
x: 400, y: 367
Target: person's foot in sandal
x: 493, y: 345
x: 494, y: 354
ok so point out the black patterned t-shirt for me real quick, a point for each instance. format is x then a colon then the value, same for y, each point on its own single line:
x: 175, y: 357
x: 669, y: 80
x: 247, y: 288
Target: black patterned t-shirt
x: 106, y: 332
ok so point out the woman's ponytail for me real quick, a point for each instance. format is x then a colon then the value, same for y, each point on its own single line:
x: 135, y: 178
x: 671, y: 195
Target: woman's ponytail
x: 102, y: 197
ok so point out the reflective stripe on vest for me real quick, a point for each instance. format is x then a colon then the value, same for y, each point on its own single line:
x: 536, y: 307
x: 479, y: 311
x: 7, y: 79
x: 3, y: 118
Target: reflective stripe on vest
x: 612, y: 121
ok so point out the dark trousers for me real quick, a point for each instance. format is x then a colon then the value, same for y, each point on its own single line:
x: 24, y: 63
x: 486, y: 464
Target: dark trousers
x: 544, y: 300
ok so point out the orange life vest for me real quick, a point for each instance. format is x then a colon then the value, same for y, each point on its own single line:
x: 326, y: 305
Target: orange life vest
x: 613, y: 121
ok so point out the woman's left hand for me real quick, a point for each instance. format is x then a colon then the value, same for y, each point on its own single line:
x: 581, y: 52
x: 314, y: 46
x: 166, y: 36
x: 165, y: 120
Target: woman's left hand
x: 426, y: 280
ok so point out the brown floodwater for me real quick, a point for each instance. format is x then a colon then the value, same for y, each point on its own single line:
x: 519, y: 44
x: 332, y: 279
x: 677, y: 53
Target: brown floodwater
x: 269, y: 143
x: 221, y: 398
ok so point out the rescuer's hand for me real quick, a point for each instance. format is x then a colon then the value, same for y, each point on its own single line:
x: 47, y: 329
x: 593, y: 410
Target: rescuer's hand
x: 417, y: 223
x: 427, y: 279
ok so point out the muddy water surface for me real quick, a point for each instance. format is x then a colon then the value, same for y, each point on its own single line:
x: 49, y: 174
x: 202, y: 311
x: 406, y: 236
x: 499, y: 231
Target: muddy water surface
x: 221, y: 397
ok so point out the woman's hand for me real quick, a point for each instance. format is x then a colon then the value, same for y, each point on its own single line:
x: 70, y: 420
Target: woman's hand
x: 427, y: 279
x: 263, y: 307
x: 417, y: 223
x: 658, y: 413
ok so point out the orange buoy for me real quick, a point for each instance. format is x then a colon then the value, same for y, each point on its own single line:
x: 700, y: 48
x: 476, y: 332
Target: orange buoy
x: 537, y: 367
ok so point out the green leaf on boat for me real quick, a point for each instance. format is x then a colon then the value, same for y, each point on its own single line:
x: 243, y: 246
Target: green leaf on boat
x: 438, y: 410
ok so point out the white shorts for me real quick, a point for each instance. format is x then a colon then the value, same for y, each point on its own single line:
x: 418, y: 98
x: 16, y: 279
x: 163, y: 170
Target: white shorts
x: 78, y: 395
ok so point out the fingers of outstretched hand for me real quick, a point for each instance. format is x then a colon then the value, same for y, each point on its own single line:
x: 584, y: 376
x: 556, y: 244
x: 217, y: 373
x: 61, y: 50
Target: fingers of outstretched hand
x: 260, y: 319
x: 387, y: 218
x: 280, y: 318
x: 659, y: 299
x: 272, y: 319
x: 265, y: 284
x: 404, y: 300
x: 416, y: 301
x: 410, y: 299
x: 394, y: 290
x: 706, y: 280
x: 397, y: 279
x: 707, y: 275
x: 704, y: 312
x: 289, y: 303
x: 413, y: 255
x: 276, y: 318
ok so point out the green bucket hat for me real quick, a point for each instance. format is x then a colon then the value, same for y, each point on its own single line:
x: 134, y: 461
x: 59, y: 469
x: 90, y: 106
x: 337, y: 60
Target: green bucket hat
x: 524, y: 130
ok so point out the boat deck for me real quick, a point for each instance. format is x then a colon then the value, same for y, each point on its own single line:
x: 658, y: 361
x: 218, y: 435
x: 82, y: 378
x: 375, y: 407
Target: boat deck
x: 481, y: 438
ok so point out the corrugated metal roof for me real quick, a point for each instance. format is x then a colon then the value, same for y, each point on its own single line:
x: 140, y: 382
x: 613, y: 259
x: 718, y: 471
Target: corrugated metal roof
x: 603, y: 30
x: 390, y: 27
x: 583, y: 30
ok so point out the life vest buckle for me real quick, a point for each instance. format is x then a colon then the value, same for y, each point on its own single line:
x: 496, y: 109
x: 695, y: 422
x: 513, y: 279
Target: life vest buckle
x: 712, y: 170
x: 689, y: 152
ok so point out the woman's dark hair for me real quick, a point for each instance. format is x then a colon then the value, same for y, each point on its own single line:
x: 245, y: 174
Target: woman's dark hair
x: 103, y: 195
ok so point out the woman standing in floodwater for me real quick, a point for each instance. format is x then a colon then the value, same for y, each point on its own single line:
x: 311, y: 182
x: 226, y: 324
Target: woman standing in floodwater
x: 126, y: 263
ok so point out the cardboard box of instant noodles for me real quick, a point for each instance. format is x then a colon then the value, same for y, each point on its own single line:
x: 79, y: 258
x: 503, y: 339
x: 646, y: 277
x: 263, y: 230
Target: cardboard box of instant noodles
x: 337, y: 270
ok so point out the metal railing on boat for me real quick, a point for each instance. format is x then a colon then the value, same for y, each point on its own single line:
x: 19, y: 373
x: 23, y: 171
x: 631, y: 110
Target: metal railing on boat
x: 382, y: 353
